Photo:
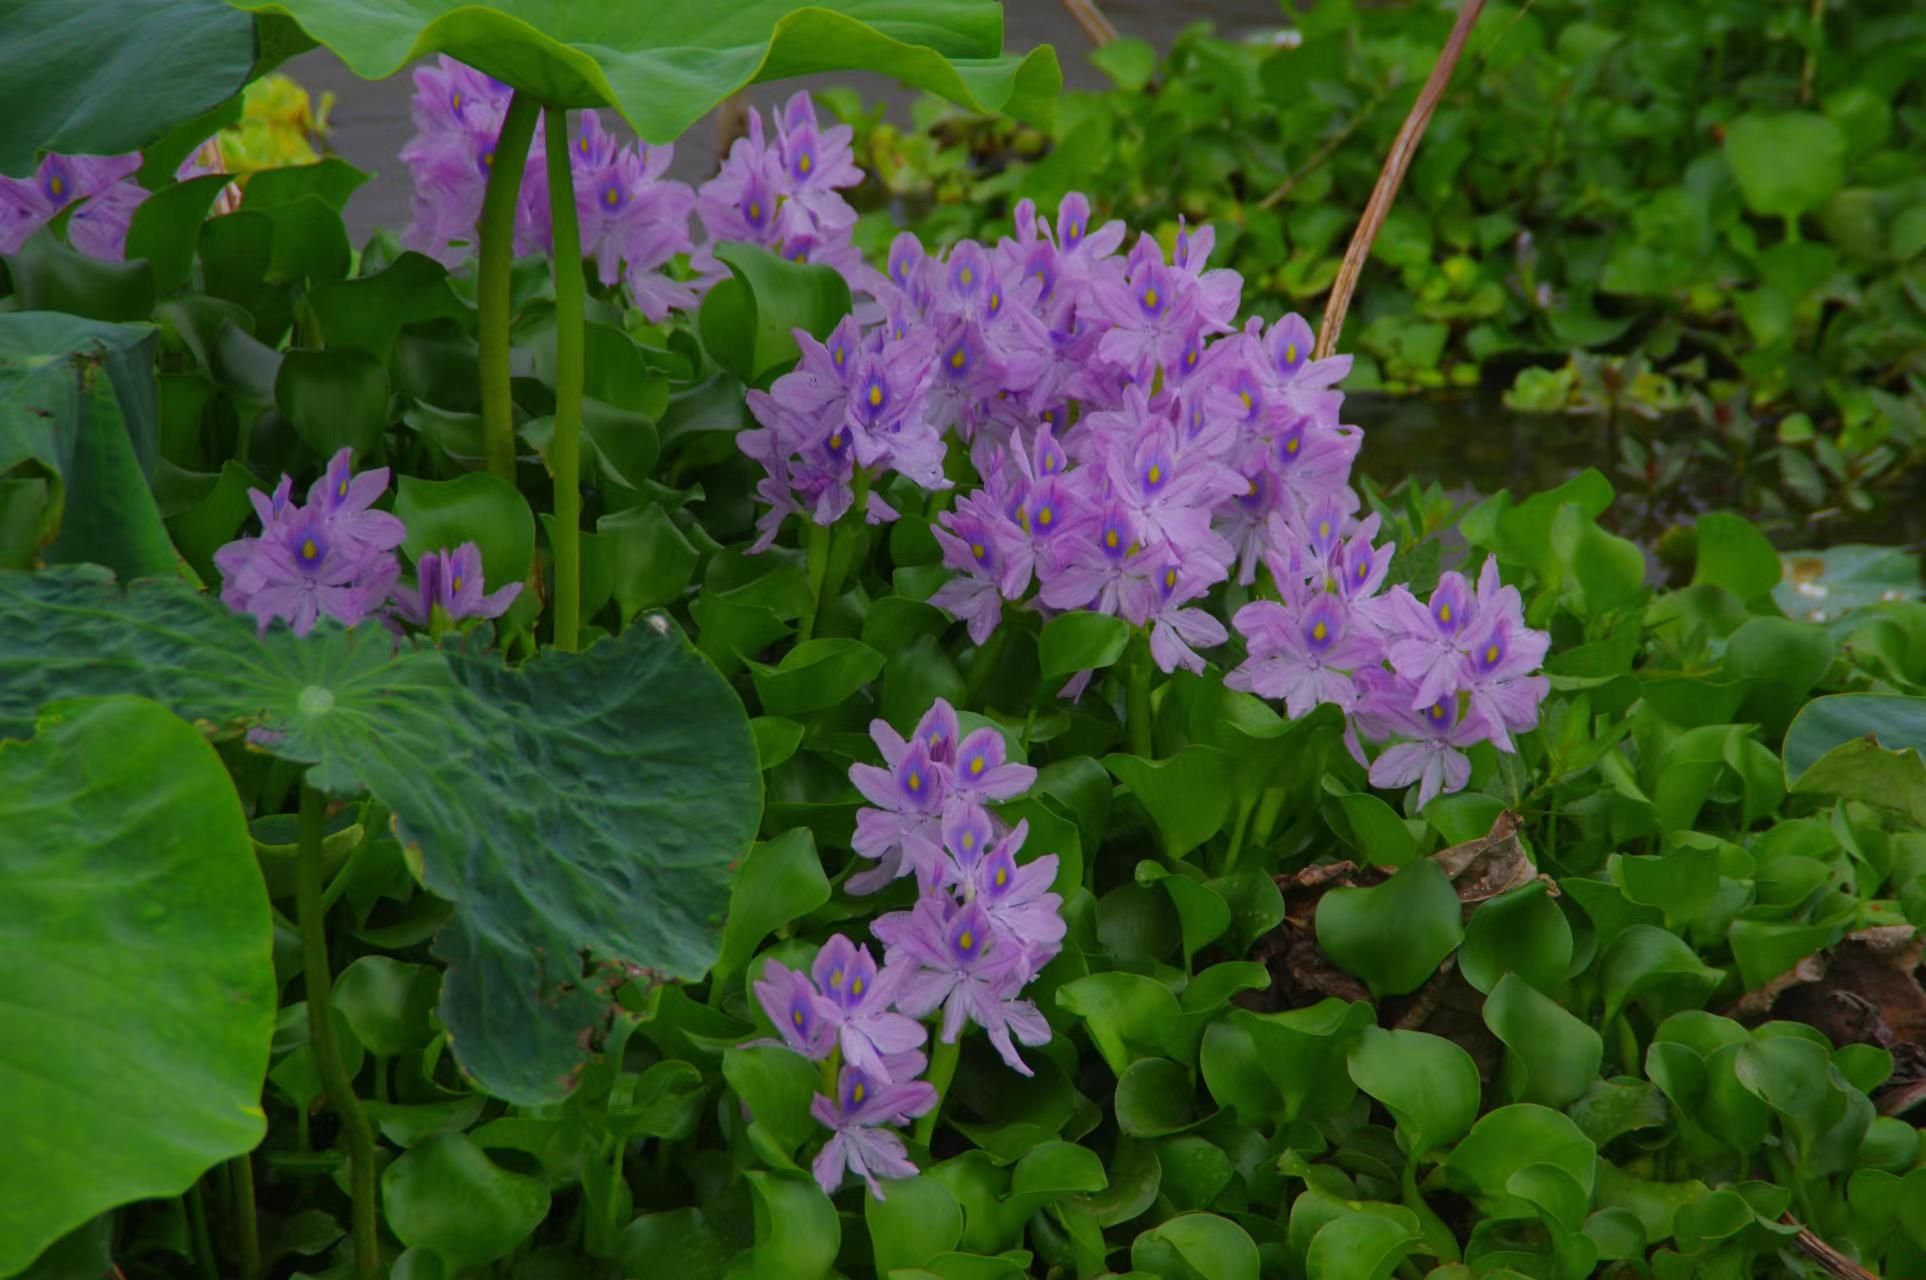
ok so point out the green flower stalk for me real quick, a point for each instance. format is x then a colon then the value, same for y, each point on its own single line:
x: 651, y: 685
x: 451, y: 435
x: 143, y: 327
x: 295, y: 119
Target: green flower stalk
x: 497, y: 235
x: 565, y: 451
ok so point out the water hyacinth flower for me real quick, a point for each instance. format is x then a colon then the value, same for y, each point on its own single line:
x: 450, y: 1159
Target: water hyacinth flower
x: 104, y: 189
x: 796, y: 1008
x: 1132, y: 450
x: 857, y: 1000
x: 861, y: 1142
x: 634, y: 220
x: 332, y: 557
x: 451, y: 581
x: 957, y: 961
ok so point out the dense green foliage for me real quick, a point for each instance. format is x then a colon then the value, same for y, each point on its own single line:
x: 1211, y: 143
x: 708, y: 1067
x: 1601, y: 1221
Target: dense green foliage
x: 1720, y: 201
x: 435, y: 955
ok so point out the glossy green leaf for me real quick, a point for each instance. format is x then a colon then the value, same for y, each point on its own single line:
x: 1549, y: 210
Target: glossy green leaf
x: 677, y: 1242
x: 445, y: 1194
x: 1304, y: 1050
x: 113, y: 76
x: 1364, y: 1246
x: 1078, y: 641
x: 1733, y: 554
x: 797, y: 1233
x: 1787, y: 163
x: 815, y: 674
x: 77, y: 399
x: 135, y: 948
x: 1644, y: 959
x: 1511, y: 1138
x: 1860, y: 746
x: 1127, y: 1015
x: 748, y: 321
x: 478, y: 507
x: 780, y: 882
x: 1522, y: 932
x: 369, y: 312
x: 166, y: 228
x: 1184, y: 794
x: 504, y: 791
x: 388, y: 1003
x: 1154, y: 1098
x: 1381, y: 835
x: 1196, y: 1246
x: 917, y: 1219
x: 775, y: 1085
x: 336, y: 398
x: 1392, y: 935
x: 1427, y: 1083
x: 652, y: 560
x: 1557, y: 1055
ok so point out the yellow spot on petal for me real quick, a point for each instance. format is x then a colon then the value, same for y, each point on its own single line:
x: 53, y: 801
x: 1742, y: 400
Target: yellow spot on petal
x: 875, y: 395
x: 1444, y: 613
x: 958, y: 359
x: 856, y: 987
x: 836, y: 978
x: 967, y: 941
x: 341, y: 490
x: 1245, y: 396
x: 1044, y: 517
x: 307, y: 549
x: 611, y: 197
x: 1155, y: 475
x: 1170, y: 578
x: 1290, y: 354
x: 856, y: 1094
x: 797, y: 1017
x: 916, y: 780
x: 455, y: 584
x: 976, y: 766
x: 1290, y: 446
x: 978, y: 550
x: 1324, y: 528
x: 1110, y: 538
x: 1002, y: 877
x: 804, y: 163
x: 1319, y: 631
x: 1150, y: 298
x: 755, y: 211
x: 965, y: 275
x: 1491, y: 654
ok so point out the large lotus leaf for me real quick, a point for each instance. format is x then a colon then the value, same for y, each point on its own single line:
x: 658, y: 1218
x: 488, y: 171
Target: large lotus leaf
x: 585, y: 803
x: 78, y: 402
x: 109, y: 76
x: 663, y: 66
x: 136, y: 954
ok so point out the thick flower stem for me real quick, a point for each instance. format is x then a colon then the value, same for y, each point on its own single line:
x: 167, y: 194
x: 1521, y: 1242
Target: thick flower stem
x: 565, y: 451
x: 327, y: 1050
x: 943, y: 1059
x: 246, y: 1225
x: 1137, y: 714
x: 497, y: 235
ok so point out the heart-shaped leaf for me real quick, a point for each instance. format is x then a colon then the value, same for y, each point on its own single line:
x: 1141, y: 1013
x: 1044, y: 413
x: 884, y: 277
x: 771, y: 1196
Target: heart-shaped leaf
x: 133, y: 907
x: 1427, y: 1083
x: 665, y: 74
x: 586, y: 802
x: 1393, y: 935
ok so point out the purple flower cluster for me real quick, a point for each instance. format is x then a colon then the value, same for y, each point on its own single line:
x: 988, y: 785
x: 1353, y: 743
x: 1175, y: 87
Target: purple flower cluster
x: 778, y: 194
x: 634, y: 220
x: 336, y: 556
x: 103, y: 185
x: 982, y: 927
x: 781, y: 195
x: 1135, y: 448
